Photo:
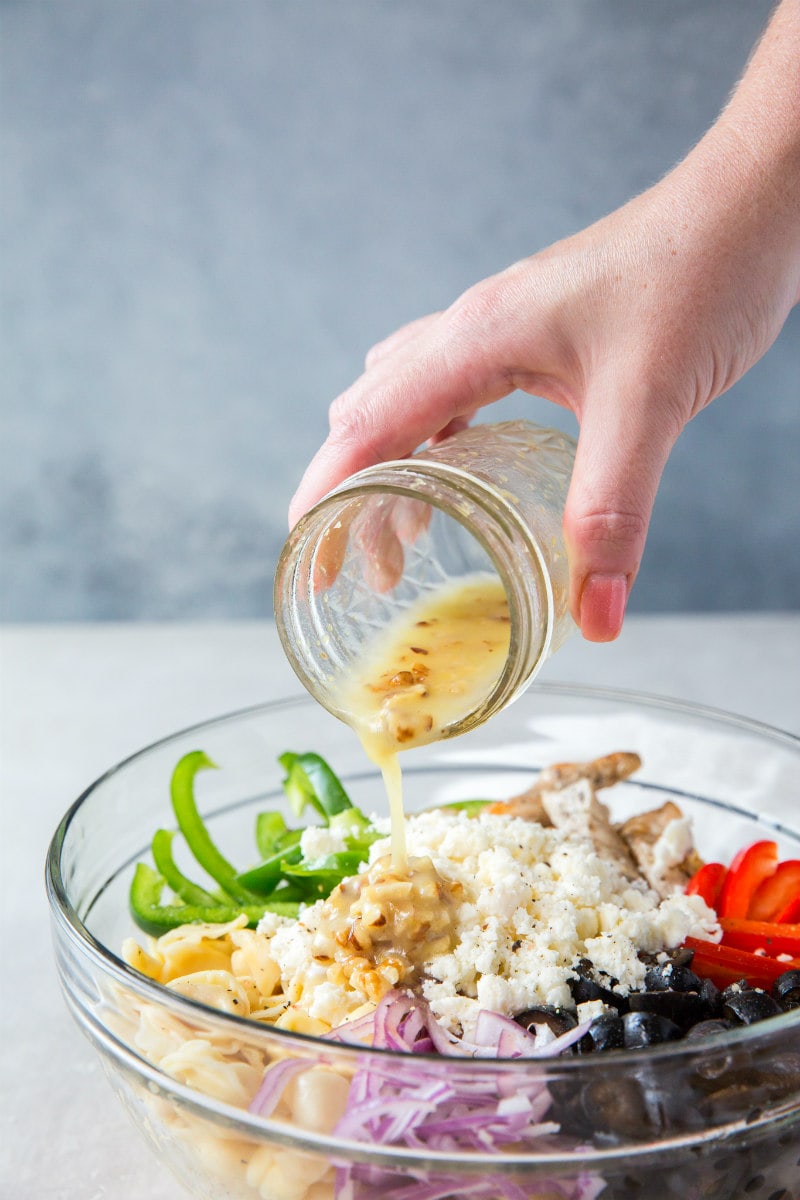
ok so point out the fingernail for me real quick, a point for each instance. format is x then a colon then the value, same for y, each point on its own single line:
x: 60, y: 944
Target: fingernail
x: 603, y: 601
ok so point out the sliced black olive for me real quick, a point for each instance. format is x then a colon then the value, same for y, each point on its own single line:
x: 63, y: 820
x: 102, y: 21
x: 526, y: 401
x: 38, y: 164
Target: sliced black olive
x: 706, y: 1028
x: 605, y: 1033
x: 748, y: 1006
x: 638, y: 1105
x: 558, y: 1020
x: 711, y: 997
x: 617, y: 1106
x: 648, y: 1029
x: 584, y: 987
x: 746, y: 1086
x: 733, y: 989
x: 786, y: 989
x: 681, y: 956
x: 568, y: 1108
x: 669, y: 977
x: 682, y: 1008
x: 713, y: 1068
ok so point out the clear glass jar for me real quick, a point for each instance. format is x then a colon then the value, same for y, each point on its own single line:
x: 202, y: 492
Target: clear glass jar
x: 490, y: 499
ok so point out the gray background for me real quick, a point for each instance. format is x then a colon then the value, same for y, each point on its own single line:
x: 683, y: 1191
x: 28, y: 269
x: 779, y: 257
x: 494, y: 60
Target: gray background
x: 211, y: 210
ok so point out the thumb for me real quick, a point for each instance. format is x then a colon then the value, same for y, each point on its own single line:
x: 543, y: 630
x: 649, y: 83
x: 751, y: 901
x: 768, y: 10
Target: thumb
x: 622, y: 449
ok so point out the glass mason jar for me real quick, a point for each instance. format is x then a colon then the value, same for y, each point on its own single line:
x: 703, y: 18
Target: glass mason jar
x: 488, y: 500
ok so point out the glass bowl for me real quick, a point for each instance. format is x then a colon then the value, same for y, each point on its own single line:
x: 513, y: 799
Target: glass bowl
x: 718, y: 1120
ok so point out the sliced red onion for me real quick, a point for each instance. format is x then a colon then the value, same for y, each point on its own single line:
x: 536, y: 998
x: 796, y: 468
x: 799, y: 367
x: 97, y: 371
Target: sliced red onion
x: 412, y: 1103
x: 365, y: 1184
x: 402, y: 1021
x: 551, y: 1049
x: 501, y: 1037
x: 588, y: 1186
x: 276, y: 1078
x: 354, y: 1032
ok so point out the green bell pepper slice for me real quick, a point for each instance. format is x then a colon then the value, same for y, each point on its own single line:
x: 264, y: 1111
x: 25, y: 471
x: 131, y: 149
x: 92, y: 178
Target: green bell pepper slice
x: 264, y: 878
x: 193, y: 828
x: 270, y: 828
x: 323, y: 875
x: 189, y: 892
x: 156, y: 918
x: 309, y: 780
x: 472, y: 808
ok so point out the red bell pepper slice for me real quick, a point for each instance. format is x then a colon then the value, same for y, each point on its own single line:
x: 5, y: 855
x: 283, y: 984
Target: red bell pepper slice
x: 776, y: 892
x: 747, y: 872
x: 724, y: 965
x: 790, y: 914
x: 766, y: 936
x: 708, y: 882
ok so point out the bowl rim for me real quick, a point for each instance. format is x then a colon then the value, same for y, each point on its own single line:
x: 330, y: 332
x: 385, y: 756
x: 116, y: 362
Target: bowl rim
x: 64, y: 914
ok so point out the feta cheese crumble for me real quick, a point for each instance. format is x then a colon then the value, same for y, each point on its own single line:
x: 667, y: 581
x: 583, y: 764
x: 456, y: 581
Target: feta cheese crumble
x: 531, y: 902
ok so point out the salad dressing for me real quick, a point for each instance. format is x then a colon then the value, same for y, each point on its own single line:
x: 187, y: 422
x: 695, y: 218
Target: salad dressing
x: 378, y: 929
x: 429, y: 669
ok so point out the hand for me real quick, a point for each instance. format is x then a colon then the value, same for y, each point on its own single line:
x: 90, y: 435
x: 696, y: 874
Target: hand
x: 635, y: 325
x: 380, y: 531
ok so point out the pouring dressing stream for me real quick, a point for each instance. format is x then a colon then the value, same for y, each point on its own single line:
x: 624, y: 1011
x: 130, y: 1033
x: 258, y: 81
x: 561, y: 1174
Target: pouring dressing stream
x: 430, y: 667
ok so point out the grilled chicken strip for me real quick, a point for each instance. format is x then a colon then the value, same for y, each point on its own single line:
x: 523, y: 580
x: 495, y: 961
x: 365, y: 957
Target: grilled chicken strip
x: 564, y: 795
x: 599, y: 773
x: 660, y: 842
x: 575, y: 810
x: 655, y: 846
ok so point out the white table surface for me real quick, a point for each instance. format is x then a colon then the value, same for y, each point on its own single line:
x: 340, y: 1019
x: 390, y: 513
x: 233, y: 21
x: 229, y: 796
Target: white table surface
x: 76, y: 699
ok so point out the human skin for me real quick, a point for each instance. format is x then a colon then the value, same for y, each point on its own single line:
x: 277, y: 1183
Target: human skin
x: 635, y: 324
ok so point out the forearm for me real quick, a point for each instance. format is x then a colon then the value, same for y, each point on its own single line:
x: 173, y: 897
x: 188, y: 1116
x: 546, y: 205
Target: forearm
x: 756, y: 142
x: 717, y: 241
x: 765, y: 107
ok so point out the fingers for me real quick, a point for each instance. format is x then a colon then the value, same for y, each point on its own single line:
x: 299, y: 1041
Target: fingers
x: 410, y: 518
x: 454, y: 426
x: 400, y: 338
x: 621, y: 454
x: 330, y: 555
x: 374, y: 537
x: 381, y: 551
x: 407, y: 396
x: 382, y: 532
